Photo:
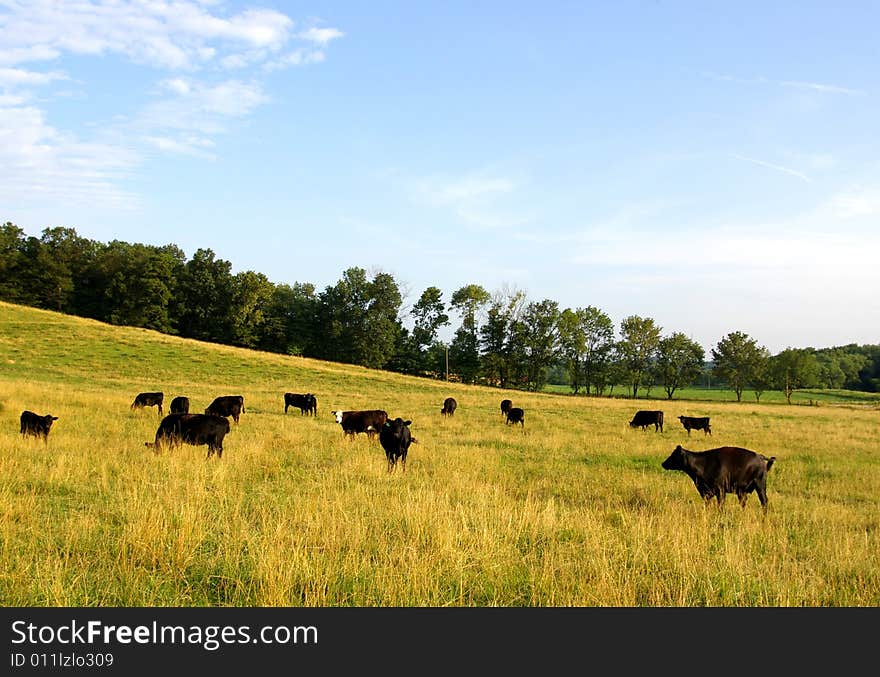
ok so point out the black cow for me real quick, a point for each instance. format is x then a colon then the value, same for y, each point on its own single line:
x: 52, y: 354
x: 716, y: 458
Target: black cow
x: 195, y: 429
x: 368, y: 421
x: 148, y: 400
x: 516, y: 415
x: 227, y: 405
x: 696, y: 423
x: 505, y: 406
x: 395, y: 437
x: 180, y: 405
x: 726, y: 470
x: 307, y: 403
x: 449, y: 406
x: 36, y: 425
x: 643, y: 419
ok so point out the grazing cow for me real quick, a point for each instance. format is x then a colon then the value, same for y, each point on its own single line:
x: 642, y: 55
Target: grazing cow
x: 396, y: 438
x: 195, y: 429
x: 726, y: 470
x: 696, y: 423
x: 36, y: 425
x: 180, y: 405
x: 368, y: 421
x: 227, y: 405
x: 505, y: 407
x: 449, y: 406
x: 148, y: 400
x: 307, y: 403
x: 643, y: 419
x: 516, y: 415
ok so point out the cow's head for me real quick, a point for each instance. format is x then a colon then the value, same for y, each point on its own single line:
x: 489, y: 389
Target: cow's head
x: 338, y: 415
x: 48, y: 419
x: 676, y: 460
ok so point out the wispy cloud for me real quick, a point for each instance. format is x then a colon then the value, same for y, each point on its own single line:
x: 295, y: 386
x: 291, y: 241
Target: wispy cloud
x: 475, y: 198
x: 192, y: 43
x: 761, y: 80
x: 778, y: 168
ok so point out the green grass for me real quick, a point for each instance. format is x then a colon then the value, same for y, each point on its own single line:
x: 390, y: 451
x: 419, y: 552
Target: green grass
x: 574, y: 510
x: 812, y: 397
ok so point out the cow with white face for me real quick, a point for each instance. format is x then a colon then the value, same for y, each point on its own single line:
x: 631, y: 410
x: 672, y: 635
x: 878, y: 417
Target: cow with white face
x: 368, y: 421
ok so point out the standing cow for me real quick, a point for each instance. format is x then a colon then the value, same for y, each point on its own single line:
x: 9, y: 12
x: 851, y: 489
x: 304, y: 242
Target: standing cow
x: 142, y: 400
x: 725, y: 470
x: 306, y: 403
x: 36, y: 425
x: 180, y: 405
x: 227, y: 405
x: 195, y: 429
x: 516, y: 415
x: 395, y: 438
x: 368, y: 421
x: 449, y: 406
x: 643, y: 419
x: 696, y: 423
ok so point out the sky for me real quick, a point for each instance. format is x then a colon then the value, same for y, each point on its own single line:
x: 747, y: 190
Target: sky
x: 712, y: 165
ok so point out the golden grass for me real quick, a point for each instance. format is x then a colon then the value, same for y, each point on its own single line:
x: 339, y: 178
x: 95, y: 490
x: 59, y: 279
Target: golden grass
x: 573, y: 511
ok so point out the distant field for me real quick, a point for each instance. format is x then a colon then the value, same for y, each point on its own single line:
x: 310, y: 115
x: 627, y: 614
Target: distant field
x: 573, y: 511
x: 800, y: 397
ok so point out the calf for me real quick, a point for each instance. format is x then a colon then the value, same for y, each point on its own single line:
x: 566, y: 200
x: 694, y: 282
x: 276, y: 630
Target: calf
x: 395, y: 437
x: 180, y: 405
x: 505, y: 406
x: 227, y: 405
x: 148, y: 400
x: 307, y: 403
x: 696, y: 423
x: 195, y: 429
x: 726, y: 470
x: 36, y: 425
x: 449, y: 406
x: 643, y: 419
x: 368, y: 421
x: 516, y: 415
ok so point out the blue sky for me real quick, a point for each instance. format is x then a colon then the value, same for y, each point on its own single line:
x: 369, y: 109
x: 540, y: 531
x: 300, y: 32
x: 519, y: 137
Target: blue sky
x: 715, y: 166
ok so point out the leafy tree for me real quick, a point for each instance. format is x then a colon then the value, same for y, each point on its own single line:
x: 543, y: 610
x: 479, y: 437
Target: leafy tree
x: 429, y: 314
x: 679, y: 362
x: 762, y: 377
x: 201, y: 305
x: 464, y: 351
x: 640, y: 338
x: 12, y: 263
x: 248, y: 304
x: 795, y: 368
x: 540, y: 335
x: 735, y: 358
x: 496, y: 335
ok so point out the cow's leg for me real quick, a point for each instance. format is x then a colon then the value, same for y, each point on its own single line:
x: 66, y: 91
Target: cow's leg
x: 742, y: 496
x: 761, y: 489
x: 403, y: 462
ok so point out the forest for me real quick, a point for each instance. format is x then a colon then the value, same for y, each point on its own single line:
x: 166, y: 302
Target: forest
x: 503, y: 338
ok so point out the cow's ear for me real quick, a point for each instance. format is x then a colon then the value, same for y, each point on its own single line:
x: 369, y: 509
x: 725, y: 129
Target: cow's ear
x: 407, y: 423
x: 54, y: 418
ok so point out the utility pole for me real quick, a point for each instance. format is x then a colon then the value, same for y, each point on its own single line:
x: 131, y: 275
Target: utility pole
x: 447, y: 363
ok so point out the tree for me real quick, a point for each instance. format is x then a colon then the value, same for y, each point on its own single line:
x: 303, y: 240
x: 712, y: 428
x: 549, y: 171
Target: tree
x: 679, y: 362
x: 540, y: 333
x: 12, y: 263
x: 429, y: 314
x: 735, y: 359
x: 464, y: 351
x: 762, y: 378
x: 496, y: 335
x: 251, y: 296
x: 795, y: 368
x: 201, y: 305
x: 637, y: 347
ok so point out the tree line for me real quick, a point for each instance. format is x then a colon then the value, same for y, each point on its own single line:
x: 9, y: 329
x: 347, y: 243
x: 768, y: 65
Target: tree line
x: 503, y: 339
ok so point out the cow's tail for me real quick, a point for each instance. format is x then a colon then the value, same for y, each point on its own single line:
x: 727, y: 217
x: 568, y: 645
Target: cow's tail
x: 770, y: 462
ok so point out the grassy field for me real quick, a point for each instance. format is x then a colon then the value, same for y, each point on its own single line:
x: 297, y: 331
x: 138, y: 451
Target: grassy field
x: 799, y: 397
x: 572, y: 510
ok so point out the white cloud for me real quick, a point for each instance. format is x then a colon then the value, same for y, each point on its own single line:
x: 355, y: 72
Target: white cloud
x: 761, y: 80
x: 855, y: 204
x: 321, y: 35
x: 162, y: 34
x: 37, y: 162
x: 18, y: 77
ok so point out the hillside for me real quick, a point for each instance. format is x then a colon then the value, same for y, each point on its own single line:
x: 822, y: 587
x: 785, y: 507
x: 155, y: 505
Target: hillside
x: 574, y: 509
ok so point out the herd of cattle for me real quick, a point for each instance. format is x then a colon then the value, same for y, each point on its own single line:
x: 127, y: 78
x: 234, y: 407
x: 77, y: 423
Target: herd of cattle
x: 715, y: 472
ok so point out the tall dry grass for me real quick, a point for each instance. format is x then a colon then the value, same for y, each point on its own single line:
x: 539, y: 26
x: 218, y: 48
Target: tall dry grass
x: 573, y: 510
